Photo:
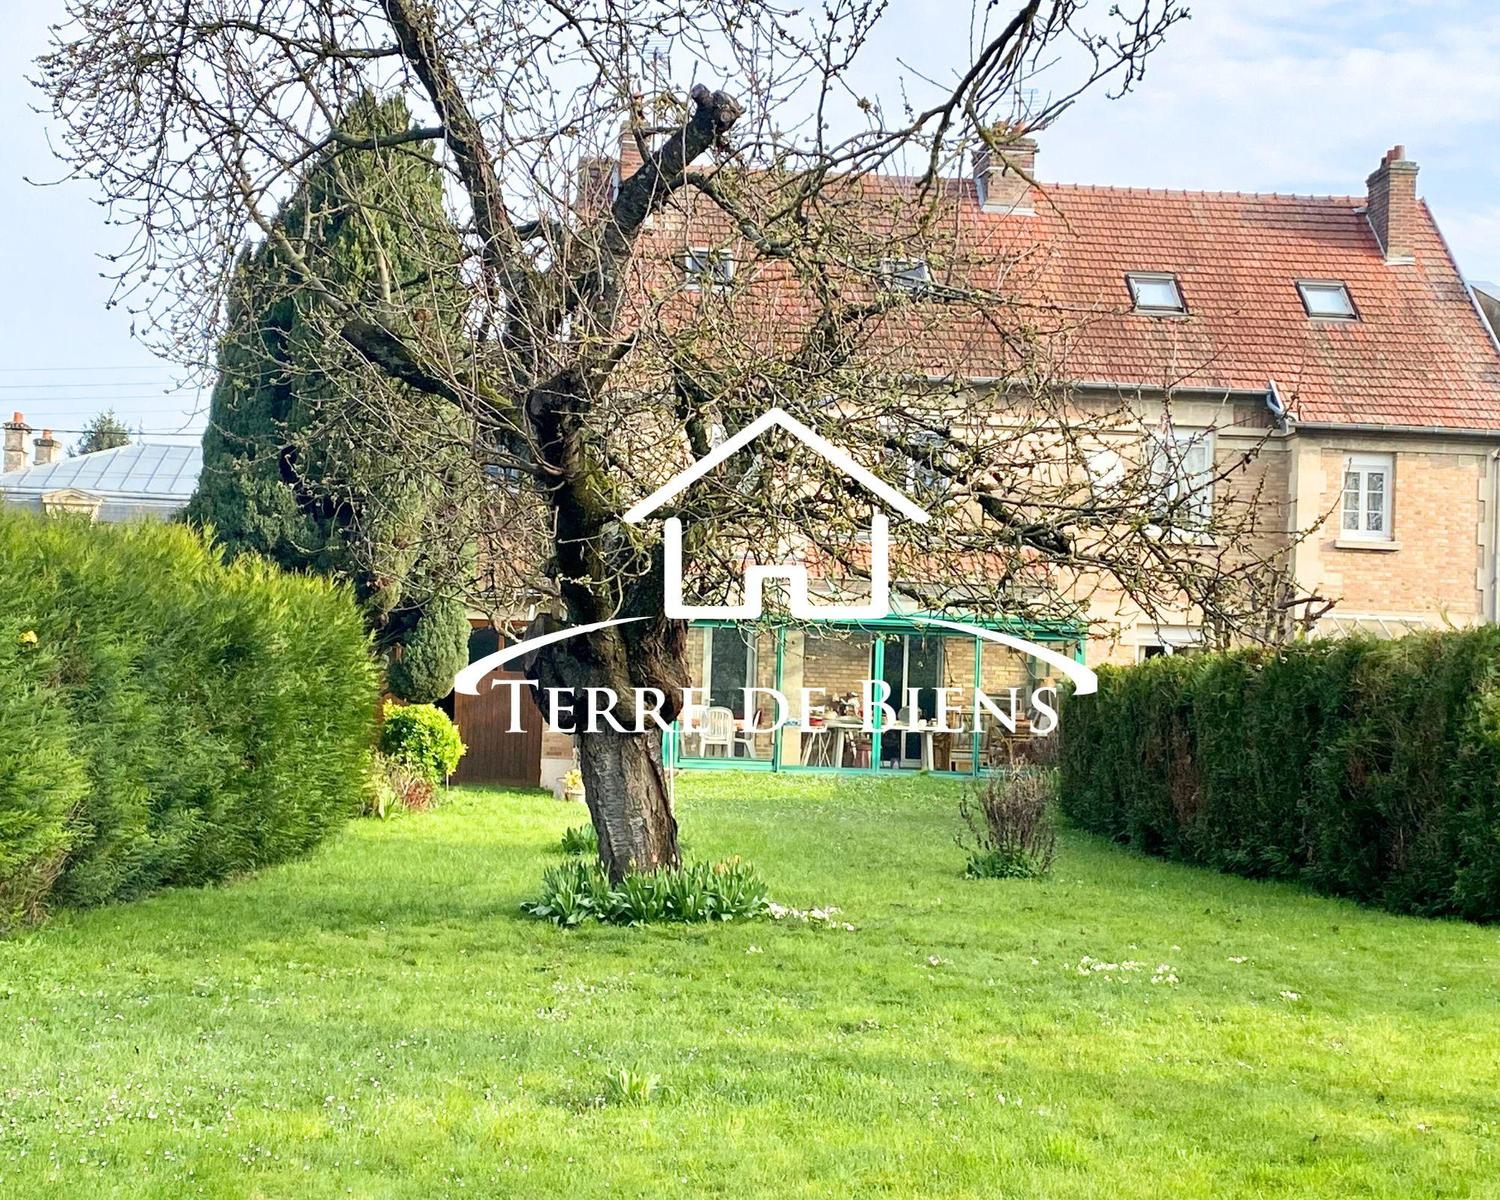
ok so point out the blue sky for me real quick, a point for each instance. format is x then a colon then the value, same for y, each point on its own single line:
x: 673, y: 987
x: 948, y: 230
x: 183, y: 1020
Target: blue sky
x: 1252, y: 95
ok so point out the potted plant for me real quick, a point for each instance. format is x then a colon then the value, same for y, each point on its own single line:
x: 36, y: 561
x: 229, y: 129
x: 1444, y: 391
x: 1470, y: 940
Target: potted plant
x: 572, y: 786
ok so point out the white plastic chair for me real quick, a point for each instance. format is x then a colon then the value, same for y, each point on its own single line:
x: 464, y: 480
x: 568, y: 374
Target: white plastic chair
x: 717, y: 730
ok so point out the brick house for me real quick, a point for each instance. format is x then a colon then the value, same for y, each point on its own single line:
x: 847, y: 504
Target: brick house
x: 1330, y: 338
x: 1344, y: 323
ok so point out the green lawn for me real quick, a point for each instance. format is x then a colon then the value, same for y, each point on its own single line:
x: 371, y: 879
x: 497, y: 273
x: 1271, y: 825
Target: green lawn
x: 381, y: 1021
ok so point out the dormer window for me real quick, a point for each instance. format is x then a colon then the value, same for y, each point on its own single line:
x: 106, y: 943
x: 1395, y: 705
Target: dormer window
x: 1155, y: 292
x: 1326, y: 300
x: 704, y: 268
x: 905, y: 274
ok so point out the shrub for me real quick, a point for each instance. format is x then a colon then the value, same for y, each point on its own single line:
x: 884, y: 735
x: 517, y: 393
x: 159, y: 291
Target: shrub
x: 1363, y: 768
x: 380, y: 794
x: 581, y: 839
x: 1011, y: 836
x: 392, y: 785
x: 626, y: 1087
x: 414, y: 791
x: 577, y: 891
x: 181, y: 719
x: 433, y: 653
x: 423, y: 738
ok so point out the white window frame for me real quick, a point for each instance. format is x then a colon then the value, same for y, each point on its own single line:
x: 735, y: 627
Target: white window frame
x: 1175, y: 477
x: 705, y: 268
x: 1363, y: 466
x: 1307, y: 287
x: 912, y: 275
x: 1167, y: 640
x: 1179, y: 309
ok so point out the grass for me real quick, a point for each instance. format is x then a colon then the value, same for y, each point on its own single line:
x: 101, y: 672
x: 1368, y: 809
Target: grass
x: 380, y: 1021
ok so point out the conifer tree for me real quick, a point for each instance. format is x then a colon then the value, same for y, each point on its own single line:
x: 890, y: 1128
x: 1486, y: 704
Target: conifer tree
x: 281, y: 477
x: 105, y: 432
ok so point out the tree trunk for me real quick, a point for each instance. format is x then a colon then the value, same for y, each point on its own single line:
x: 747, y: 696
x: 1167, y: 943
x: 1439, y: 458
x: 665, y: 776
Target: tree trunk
x: 626, y: 786
x: 624, y: 779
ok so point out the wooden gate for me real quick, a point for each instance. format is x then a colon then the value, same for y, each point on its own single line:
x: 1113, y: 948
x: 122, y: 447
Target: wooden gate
x: 496, y: 755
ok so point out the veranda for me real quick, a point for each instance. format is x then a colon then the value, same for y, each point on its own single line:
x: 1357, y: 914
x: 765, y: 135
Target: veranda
x: 910, y: 654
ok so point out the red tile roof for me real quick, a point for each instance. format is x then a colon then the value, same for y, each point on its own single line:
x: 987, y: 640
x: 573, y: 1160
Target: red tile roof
x: 1420, y: 355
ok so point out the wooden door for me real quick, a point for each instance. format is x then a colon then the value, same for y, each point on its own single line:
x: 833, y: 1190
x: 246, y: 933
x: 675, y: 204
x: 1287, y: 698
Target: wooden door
x: 495, y: 754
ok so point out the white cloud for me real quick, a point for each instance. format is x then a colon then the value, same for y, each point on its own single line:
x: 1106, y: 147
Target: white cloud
x: 1303, y: 102
x: 1305, y: 96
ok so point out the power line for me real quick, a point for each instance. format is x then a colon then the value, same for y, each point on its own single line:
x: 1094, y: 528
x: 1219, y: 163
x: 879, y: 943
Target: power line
x: 46, y: 370
x: 192, y: 433
x: 114, y: 383
x: 90, y: 412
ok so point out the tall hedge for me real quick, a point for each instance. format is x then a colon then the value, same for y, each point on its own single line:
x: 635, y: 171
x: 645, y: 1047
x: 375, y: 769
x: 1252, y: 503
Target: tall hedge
x: 165, y: 717
x: 1363, y: 768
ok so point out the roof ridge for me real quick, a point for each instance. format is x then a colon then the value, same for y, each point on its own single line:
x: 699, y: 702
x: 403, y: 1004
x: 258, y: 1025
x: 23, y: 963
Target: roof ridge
x: 1140, y: 190
x: 1208, y: 193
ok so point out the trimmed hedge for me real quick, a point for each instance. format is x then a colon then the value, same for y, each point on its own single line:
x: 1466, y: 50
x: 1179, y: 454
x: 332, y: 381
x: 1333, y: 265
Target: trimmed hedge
x: 1362, y: 768
x: 166, y: 718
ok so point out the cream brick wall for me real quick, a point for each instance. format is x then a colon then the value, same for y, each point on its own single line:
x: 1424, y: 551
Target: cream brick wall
x: 1118, y: 626
x: 1433, y: 569
x: 1437, y: 568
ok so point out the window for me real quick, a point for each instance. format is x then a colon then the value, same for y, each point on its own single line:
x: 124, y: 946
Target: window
x: 1165, y: 641
x: 905, y: 274
x: 1151, y: 292
x: 1183, y: 467
x: 730, y: 668
x: 702, y: 267
x: 1366, y: 509
x: 1326, y: 300
x: 924, y: 462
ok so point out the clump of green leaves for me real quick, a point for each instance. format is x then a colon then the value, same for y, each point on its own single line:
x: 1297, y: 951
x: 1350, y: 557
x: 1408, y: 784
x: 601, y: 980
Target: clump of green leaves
x: 581, y: 839
x: 1010, y: 829
x: 166, y: 717
x: 421, y: 736
x: 575, y: 892
x: 105, y: 432
x: 291, y: 469
x: 626, y: 1087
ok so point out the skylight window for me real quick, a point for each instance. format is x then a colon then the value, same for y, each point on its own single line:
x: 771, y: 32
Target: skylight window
x: 1328, y: 300
x: 906, y: 274
x: 1154, y: 292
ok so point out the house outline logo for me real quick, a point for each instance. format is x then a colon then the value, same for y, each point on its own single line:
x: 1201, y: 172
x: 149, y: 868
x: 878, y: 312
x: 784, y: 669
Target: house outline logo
x: 799, y: 601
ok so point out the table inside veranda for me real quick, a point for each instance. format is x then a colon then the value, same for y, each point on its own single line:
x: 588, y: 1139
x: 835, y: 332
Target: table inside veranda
x: 836, y: 730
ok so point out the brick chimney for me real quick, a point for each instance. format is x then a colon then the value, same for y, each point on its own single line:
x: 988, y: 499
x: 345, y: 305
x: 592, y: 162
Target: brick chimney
x: 1000, y: 177
x: 16, y: 430
x: 47, y: 448
x: 1392, y: 205
x: 599, y: 178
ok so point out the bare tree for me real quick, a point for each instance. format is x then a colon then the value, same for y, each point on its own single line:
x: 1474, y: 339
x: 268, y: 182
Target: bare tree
x: 753, y: 245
